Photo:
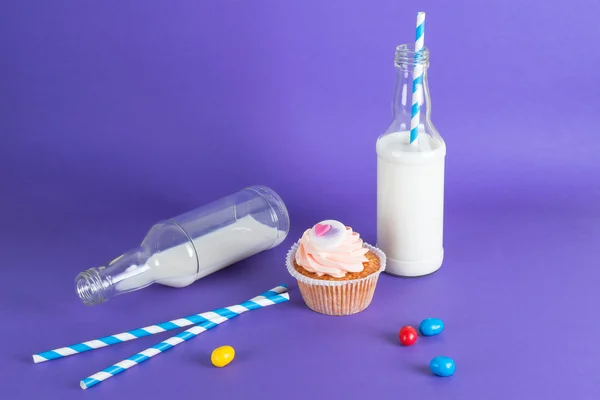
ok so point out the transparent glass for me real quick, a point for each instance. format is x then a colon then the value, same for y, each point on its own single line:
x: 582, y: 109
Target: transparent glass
x: 178, y: 251
x: 405, y: 61
x: 410, y: 177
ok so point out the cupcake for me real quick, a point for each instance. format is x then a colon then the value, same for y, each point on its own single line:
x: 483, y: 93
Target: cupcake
x: 336, y: 271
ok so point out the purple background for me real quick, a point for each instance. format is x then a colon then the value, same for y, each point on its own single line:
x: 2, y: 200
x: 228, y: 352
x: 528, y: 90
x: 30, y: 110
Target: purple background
x: 115, y: 114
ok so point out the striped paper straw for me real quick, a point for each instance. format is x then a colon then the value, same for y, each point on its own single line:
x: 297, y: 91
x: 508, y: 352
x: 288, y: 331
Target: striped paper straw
x: 145, y: 331
x: 234, y: 311
x: 417, y: 79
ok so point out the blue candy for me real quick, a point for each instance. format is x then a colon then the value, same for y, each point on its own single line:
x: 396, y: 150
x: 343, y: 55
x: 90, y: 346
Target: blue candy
x: 431, y: 326
x: 442, y: 366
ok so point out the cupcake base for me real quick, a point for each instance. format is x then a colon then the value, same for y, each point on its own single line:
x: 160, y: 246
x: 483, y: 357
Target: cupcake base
x: 337, y: 297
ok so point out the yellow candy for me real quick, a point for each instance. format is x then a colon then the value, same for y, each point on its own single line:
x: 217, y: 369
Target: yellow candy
x: 221, y: 356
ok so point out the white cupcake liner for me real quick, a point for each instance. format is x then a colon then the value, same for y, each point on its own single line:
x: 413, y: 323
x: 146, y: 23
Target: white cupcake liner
x: 337, y: 297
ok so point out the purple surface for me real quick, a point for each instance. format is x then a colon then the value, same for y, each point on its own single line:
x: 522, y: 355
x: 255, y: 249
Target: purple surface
x: 116, y: 114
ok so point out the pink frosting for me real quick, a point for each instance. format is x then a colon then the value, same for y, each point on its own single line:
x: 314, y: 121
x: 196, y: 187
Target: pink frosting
x: 348, y: 256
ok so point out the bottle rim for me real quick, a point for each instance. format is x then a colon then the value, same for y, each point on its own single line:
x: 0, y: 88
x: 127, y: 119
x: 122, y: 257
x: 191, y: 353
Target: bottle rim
x: 89, y: 287
x: 406, y: 56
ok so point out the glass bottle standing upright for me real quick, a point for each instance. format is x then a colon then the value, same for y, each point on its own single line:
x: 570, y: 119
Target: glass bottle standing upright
x: 410, y: 178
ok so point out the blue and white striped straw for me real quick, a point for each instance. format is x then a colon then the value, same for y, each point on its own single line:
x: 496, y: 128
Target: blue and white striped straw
x: 145, y: 331
x: 232, y: 312
x: 417, y: 79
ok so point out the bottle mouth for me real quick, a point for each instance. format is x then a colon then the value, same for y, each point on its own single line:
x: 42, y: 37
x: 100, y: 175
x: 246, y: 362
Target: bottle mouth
x: 89, y: 287
x: 406, y: 56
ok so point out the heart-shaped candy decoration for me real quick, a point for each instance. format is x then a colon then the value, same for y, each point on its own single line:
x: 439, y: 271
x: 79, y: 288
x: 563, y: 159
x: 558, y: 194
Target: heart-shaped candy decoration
x: 327, y: 234
x: 322, y: 229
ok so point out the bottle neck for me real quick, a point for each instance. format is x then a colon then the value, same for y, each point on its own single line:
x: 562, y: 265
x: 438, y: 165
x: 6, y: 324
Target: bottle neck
x: 166, y: 255
x: 127, y: 273
x: 411, y: 85
x: 403, y: 97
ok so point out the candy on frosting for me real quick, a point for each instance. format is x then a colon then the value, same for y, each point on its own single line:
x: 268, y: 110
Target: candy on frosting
x: 327, y: 234
x: 322, y: 229
x: 327, y: 254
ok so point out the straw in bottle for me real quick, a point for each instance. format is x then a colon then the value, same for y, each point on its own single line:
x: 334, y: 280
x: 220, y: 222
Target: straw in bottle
x: 417, y: 78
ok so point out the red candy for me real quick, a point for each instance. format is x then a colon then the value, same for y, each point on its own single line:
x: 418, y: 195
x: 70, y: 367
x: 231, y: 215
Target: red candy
x: 408, y: 335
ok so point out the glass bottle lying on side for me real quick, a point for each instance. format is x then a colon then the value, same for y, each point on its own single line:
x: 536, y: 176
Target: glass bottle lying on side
x: 179, y: 251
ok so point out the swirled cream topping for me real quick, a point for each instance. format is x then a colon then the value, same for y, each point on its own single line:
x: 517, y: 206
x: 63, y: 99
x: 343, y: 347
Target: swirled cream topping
x: 331, y: 248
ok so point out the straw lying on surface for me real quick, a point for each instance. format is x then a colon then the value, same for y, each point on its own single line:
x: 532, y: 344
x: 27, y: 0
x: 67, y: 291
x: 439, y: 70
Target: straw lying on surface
x: 234, y: 311
x: 145, y: 331
x: 417, y: 79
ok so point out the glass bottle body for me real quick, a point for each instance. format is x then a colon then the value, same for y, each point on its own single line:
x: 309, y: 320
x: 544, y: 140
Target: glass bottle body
x: 410, y: 178
x: 181, y: 250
